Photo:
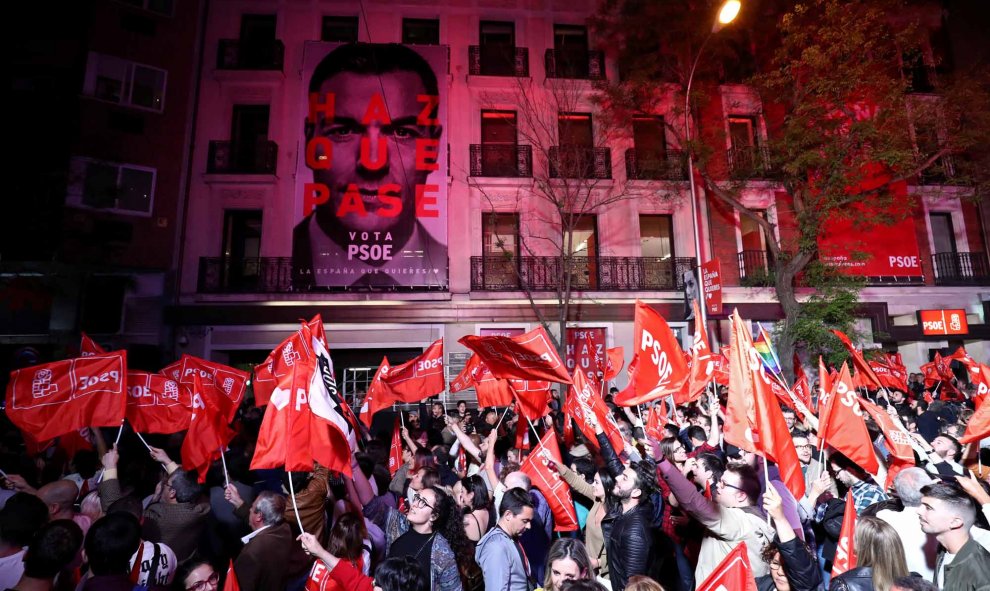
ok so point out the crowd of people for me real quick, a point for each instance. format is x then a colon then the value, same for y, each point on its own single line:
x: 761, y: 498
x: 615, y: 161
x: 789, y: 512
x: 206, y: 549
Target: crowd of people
x: 663, y: 513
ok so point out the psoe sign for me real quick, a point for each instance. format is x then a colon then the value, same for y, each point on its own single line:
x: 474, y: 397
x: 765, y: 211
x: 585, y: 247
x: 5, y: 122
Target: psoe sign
x: 943, y: 322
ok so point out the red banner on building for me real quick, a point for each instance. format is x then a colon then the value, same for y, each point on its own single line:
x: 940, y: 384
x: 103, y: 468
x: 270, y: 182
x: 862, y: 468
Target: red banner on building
x: 943, y: 322
x: 711, y: 286
x: 891, y: 250
x: 586, y: 351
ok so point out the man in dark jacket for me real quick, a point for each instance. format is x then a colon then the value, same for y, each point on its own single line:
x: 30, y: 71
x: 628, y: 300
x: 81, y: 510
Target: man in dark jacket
x: 265, y: 561
x: 630, y: 542
x: 792, y: 566
x: 948, y: 513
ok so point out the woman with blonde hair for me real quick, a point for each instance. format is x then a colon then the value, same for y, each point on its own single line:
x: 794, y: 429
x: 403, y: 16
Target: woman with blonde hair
x: 642, y: 583
x: 879, y: 558
x: 567, y: 560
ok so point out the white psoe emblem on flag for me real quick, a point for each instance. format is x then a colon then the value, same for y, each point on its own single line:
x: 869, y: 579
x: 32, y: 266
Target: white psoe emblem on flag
x: 171, y: 390
x: 228, y: 385
x: 42, y: 385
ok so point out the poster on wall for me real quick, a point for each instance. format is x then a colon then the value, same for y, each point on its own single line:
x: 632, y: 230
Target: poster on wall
x: 876, y: 250
x: 370, y: 207
x: 586, y: 350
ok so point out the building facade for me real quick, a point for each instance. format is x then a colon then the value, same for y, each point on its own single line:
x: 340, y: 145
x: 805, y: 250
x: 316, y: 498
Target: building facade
x: 515, y: 83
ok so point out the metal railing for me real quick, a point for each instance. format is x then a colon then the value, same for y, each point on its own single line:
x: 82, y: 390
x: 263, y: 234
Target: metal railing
x: 498, y: 60
x: 749, y: 162
x: 754, y: 268
x: 643, y: 165
x: 961, y: 268
x: 941, y: 172
x: 226, y: 157
x: 580, y: 162
x: 501, y: 160
x: 234, y: 54
x: 274, y: 275
x: 575, y: 63
x: 495, y: 273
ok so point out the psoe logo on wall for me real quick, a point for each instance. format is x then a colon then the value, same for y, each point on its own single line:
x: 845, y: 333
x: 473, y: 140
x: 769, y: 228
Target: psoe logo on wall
x: 943, y: 322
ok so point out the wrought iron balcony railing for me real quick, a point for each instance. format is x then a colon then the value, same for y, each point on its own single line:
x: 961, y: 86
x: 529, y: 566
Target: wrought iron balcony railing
x: 580, y: 162
x: 754, y: 268
x: 501, y: 160
x: 495, y: 273
x: 575, y: 63
x: 498, y: 60
x: 227, y: 157
x: 234, y: 54
x: 749, y: 162
x: 961, y: 268
x: 219, y: 275
x: 643, y: 165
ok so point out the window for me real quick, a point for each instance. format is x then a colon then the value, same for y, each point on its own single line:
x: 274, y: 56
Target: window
x: 117, y: 188
x: 162, y: 7
x: 241, y: 247
x: 500, y: 235
x: 943, y: 235
x: 341, y: 29
x: 124, y: 82
x: 742, y: 132
x: 421, y: 31
x: 497, y: 41
x: 584, y: 250
x: 575, y: 129
x: 570, y: 44
x: 498, y: 143
x: 656, y: 236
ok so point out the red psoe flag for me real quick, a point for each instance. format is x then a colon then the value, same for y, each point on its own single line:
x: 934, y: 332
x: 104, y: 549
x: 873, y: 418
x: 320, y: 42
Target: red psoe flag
x: 156, y: 404
x: 824, y: 385
x: 208, y: 432
x: 734, y: 573
x: 221, y: 382
x: 842, y: 425
x: 465, y: 379
x: 532, y: 397
x: 51, y: 399
x: 378, y: 396
x: 614, y: 360
x: 584, y: 400
x: 522, y: 432
x: 88, y: 347
x: 845, y: 553
x: 802, y: 387
x: 661, y: 369
x: 897, y: 438
x: 858, y: 361
x: 702, y: 363
x: 395, y: 455
x: 230, y: 582
x: 979, y: 424
x: 545, y: 478
x: 529, y: 356
x: 418, y: 378
x: 655, y: 421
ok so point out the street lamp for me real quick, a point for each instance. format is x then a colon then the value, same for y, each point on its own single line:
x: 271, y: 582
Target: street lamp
x: 726, y: 14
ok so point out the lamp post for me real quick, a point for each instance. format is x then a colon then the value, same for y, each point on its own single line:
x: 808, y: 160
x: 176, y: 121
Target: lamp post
x: 726, y: 14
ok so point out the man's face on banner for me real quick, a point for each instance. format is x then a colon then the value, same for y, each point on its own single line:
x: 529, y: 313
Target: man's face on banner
x: 353, y: 95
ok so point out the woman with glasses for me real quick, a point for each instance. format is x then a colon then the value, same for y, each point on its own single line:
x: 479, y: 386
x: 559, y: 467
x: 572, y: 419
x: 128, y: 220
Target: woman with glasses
x: 196, y: 575
x: 792, y: 566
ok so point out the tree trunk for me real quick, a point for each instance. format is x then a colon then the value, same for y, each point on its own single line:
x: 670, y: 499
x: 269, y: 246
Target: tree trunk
x: 784, y: 286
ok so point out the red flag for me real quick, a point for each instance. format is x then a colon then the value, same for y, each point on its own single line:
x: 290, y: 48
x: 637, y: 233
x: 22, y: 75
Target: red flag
x: 173, y: 371
x: 395, y: 455
x: 721, y: 373
x: 88, y: 347
x: 802, y: 387
x: 418, y: 378
x: 296, y: 429
x: 461, y: 464
x: 156, y: 404
x: 891, y: 378
x: 655, y: 421
x: 491, y: 391
x: 522, y: 431
x: 583, y: 400
x: 532, y: 397
x: 568, y: 432
x: 702, y: 363
x: 224, y: 383
x: 732, y: 574
x: 757, y: 419
x: 529, y: 356
x: 230, y: 582
x: 614, y: 360
x: 845, y: 553
x: 979, y: 424
x: 54, y: 398
x: 858, y: 361
x: 661, y: 368
x: 545, y: 478
x: 466, y: 378
x: 842, y: 425
x: 378, y: 396
x: 897, y: 438
x: 824, y: 385
x: 208, y: 432
x: 263, y: 382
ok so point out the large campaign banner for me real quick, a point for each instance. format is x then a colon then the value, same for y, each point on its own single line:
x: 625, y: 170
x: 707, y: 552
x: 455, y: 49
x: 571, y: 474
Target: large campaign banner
x: 371, y: 178
x: 890, y: 250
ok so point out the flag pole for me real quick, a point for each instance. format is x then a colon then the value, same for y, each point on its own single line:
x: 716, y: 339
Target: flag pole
x: 766, y: 478
x: 499, y: 423
x: 120, y: 432
x: 142, y: 440
x: 295, y: 508
x: 226, y: 475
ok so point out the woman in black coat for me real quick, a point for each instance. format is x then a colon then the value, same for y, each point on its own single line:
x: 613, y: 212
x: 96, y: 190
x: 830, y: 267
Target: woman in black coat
x: 792, y: 566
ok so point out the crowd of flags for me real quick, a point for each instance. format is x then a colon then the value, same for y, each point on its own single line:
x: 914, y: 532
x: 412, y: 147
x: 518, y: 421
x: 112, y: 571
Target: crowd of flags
x: 306, y: 418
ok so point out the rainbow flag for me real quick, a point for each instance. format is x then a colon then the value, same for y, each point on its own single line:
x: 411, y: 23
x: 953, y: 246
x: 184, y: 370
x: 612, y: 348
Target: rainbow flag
x: 767, y: 354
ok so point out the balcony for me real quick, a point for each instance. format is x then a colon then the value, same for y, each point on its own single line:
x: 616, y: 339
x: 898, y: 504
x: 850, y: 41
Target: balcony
x: 651, y: 165
x: 941, y: 172
x: 224, y: 275
x: 498, y: 60
x: 961, y: 268
x: 501, y: 160
x: 580, y: 162
x: 587, y: 273
x: 226, y: 157
x: 232, y: 54
x: 754, y: 269
x: 575, y: 64
x: 749, y: 162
